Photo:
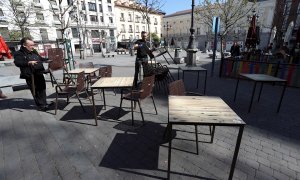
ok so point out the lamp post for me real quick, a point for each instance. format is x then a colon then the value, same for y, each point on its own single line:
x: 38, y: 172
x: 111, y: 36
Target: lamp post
x: 167, y: 27
x: 191, y: 50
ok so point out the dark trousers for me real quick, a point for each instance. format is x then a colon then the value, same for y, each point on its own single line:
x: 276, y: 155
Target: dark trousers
x: 138, y: 64
x: 39, y: 95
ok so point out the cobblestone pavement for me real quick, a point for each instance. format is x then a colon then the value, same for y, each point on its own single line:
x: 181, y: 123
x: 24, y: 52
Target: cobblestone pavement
x: 41, y: 145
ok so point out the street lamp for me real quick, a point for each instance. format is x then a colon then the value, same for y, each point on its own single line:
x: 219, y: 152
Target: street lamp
x: 191, y: 50
x: 167, y: 27
x: 77, y: 16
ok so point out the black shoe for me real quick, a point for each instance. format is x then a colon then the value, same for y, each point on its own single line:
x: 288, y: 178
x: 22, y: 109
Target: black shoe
x: 43, y: 108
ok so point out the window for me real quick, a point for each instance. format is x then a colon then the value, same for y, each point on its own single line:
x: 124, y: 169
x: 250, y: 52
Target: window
x: 101, y: 19
x: 1, y: 12
x: 84, y: 17
x: 75, y: 32
x: 82, y: 5
x: 4, y: 32
x: 137, y: 36
x: 55, y: 18
x: 39, y: 16
x: 111, y: 33
x: 36, y: 1
x: 123, y: 37
x: 144, y: 28
x: 109, y: 8
x: 92, y: 7
x: 155, y: 21
x: 93, y: 18
x: 122, y: 17
x: 111, y: 20
x: 108, y: 1
x: 58, y: 34
x: 123, y: 28
x: 156, y: 30
x: 52, y: 2
x: 130, y: 28
x: 95, y: 34
x: 137, y: 29
x: 44, y: 34
x: 129, y: 18
x: 100, y: 8
x: 198, y: 31
x: 137, y: 19
x: 70, y: 2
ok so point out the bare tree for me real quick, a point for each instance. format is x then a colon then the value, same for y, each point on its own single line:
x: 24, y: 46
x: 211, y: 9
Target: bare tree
x: 147, y: 7
x: 231, y: 12
x: 61, y: 13
x: 19, y: 13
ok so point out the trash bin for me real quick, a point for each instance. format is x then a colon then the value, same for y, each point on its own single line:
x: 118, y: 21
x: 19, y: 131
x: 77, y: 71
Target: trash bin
x: 176, y: 55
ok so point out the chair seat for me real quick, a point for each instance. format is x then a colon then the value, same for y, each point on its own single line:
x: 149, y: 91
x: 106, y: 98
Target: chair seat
x: 67, y: 90
x: 134, y: 96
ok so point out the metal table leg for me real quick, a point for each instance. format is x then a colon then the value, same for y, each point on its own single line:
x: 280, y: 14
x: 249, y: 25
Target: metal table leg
x: 169, y: 151
x: 95, y: 113
x: 261, y: 87
x: 104, y: 99
x: 253, y: 92
x: 236, y: 88
x: 282, y: 94
x: 236, y: 151
x: 198, y: 79
x: 205, y: 82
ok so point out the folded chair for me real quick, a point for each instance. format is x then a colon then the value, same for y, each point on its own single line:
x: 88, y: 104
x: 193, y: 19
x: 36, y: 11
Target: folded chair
x: 139, y: 95
x: 177, y: 88
x: 68, y: 89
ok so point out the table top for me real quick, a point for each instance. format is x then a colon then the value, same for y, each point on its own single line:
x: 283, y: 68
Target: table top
x: 86, y: 70
x: 192, y: 68
x: 113, y: 82
x: 262, y: 78
x: 201, y: 110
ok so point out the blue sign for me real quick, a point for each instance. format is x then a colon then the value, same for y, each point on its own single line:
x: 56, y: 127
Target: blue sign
x: 216, y: 21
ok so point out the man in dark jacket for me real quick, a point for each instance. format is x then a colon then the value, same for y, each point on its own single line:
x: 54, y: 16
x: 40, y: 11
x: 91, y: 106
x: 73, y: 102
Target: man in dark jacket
x: 32, y: 69
x: 142, y: 54
x: 235, y: 50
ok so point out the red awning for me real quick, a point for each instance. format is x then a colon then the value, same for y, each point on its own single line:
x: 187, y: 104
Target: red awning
x: 4, y: 50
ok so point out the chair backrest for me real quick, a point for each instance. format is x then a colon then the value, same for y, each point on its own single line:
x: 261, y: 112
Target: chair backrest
x: 86, y: 65
x: 102, y: 71
x: 80, y: 86
x: 147, y: 86
x: 108, y: 72
x: 57, y: 57
x: 177, y: 88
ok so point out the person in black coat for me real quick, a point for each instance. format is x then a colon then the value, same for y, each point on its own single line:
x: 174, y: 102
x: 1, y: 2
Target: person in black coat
x: 32, y: 69
x: 235, y: 50
x: 142, y: 54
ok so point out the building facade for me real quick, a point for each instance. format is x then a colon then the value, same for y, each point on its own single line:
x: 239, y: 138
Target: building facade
x: 131, y: 22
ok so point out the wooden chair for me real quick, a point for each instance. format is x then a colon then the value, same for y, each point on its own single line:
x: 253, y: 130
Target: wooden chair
x: 139, y: 95
x: 177, y: 88
x: 67, y: 90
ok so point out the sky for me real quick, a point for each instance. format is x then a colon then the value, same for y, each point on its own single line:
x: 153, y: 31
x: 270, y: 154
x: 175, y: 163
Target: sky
x: 172, y: 6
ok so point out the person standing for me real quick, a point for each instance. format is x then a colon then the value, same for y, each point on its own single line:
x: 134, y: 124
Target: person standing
x: 235, y: 50
x: 143, y: 51
x: 32, y: 69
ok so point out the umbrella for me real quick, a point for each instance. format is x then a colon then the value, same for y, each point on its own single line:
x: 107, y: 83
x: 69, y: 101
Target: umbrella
x: 288, y: 32
x: 273, y: 34
x: 4, y: 50
x: 253, y: 34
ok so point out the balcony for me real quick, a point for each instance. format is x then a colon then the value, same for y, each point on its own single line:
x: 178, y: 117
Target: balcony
x: 122, y: 19
x: 130, y: 20
x: 155, y: 23
x: 130, y: 31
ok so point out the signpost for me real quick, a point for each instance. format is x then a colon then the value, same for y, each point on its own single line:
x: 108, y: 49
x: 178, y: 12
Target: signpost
x: 216, y: 30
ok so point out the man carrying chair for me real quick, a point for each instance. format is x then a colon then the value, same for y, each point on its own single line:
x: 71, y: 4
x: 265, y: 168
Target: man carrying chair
x: 143, y: 51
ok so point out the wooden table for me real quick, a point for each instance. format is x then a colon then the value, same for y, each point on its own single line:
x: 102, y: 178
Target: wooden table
x: 203, y: 110
x: 86, y: 70
x: 194, y: 69
x: 110, y: 82
x: 261, y: 78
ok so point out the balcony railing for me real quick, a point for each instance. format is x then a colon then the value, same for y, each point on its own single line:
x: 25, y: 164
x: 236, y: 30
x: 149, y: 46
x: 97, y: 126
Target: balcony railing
x: 155, y: 23
x: 130, y: 31
x: 122, y: 19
